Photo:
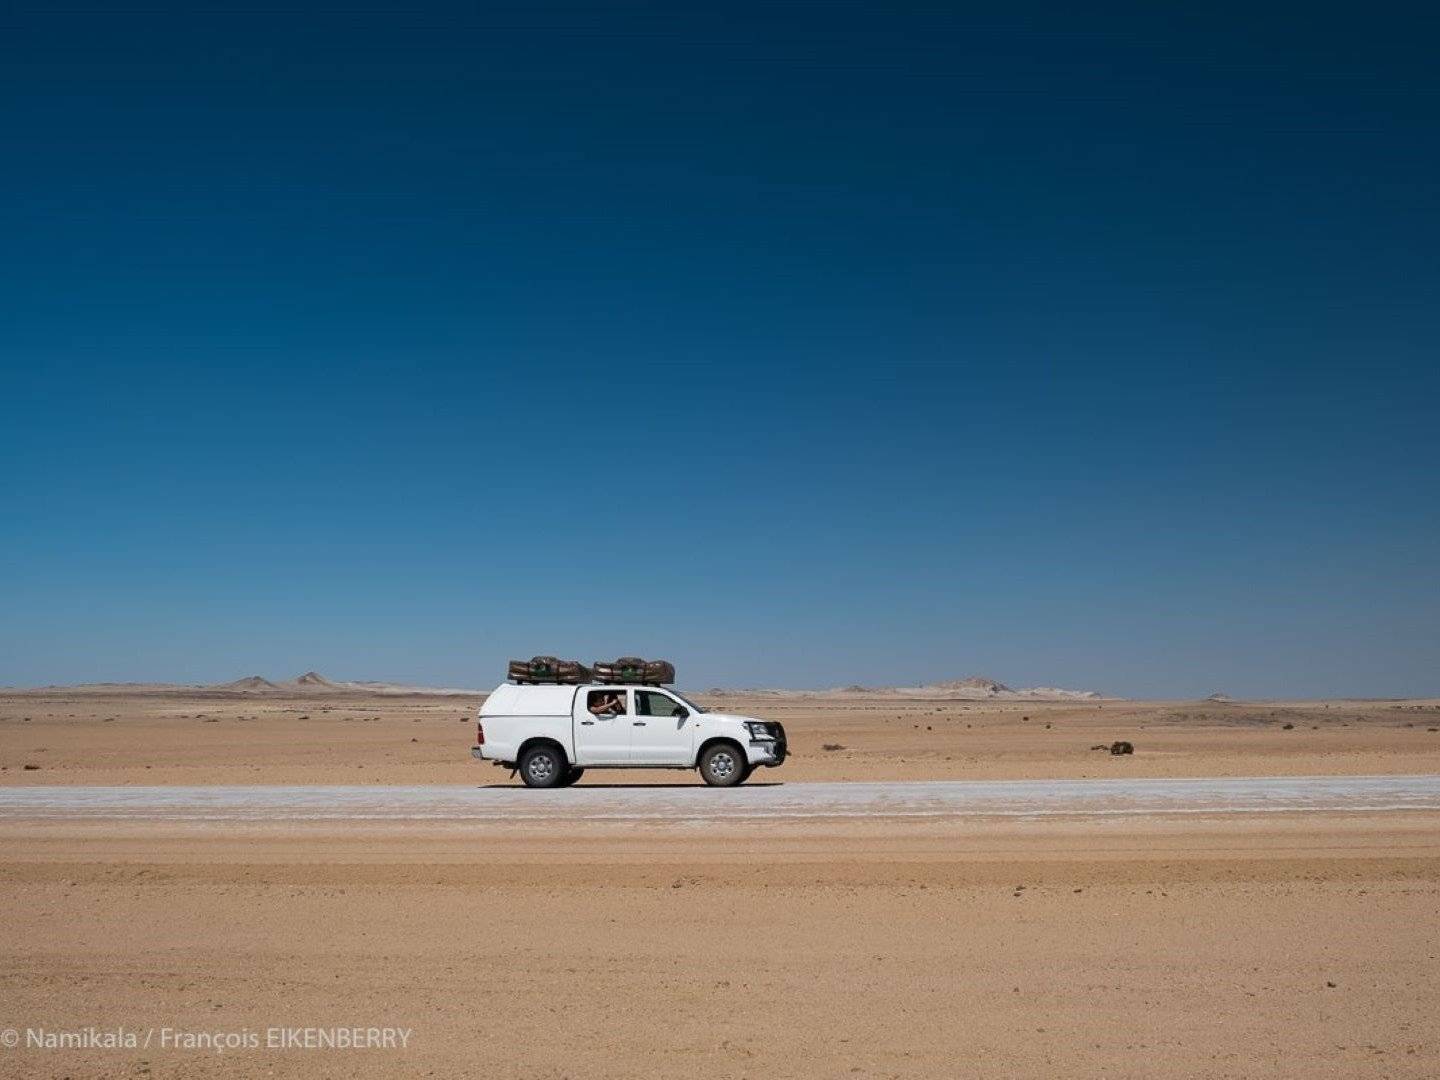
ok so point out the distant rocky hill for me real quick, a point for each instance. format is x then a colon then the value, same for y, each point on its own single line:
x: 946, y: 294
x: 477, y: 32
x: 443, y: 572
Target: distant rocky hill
x: 971, y: 688
x: 973, y: 682
x: 310, y: 683
x: 250, y: 682
x: 984, y: 688
x: 258, y: 684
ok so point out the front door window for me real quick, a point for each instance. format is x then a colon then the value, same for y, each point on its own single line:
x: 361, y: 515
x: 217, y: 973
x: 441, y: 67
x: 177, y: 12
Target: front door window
x: 654, y: 703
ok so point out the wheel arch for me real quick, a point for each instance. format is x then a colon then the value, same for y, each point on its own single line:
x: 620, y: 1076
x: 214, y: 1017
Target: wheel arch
x: 708, y: 743
x: 542, y: 740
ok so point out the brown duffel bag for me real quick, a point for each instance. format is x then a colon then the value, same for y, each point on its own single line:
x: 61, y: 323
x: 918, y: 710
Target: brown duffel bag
x: 547, y: 669
x: 572, y: 672
x: 632, y: 669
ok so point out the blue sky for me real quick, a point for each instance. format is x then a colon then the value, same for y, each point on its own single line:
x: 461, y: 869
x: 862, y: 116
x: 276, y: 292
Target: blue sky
x: 803, y: 345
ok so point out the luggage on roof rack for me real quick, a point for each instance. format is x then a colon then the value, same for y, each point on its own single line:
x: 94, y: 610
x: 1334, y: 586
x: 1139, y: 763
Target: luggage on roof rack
x: 547, y: 669
x: 632, y: 669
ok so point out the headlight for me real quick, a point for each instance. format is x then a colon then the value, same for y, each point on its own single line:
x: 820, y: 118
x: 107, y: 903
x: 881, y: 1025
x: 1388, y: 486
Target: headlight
x: 758, y: 730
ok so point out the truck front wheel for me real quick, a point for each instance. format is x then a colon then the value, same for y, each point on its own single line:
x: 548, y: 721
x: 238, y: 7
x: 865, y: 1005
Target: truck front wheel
x: 723, y: 765
x: 543, y: 767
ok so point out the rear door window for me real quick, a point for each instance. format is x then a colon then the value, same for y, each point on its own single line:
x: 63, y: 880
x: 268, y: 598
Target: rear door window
x: 606, y: 702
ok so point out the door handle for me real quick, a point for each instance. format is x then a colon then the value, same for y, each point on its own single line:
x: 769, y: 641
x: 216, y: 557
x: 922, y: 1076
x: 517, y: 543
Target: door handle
x: 587, y: 723
x: 639, y: 723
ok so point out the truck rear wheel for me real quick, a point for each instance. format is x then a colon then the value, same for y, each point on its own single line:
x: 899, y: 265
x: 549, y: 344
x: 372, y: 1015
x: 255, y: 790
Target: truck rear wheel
x: 723, y: 764
x: 543, y: 767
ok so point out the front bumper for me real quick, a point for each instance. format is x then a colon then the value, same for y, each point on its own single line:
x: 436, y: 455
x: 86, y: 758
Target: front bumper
x: 770, y: 752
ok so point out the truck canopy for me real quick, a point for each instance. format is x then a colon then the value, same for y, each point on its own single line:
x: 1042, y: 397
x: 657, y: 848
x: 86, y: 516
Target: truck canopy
x: 508, y: 699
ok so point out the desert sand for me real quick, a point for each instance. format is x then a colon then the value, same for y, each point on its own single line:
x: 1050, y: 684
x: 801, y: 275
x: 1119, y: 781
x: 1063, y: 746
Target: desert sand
x: 110, y: 735
x: 1209, y: 945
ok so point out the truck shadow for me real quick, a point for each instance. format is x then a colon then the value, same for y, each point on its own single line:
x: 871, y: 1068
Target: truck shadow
x: 582, y: 786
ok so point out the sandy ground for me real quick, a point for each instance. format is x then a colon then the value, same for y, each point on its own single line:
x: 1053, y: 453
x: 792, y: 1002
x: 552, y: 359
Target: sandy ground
x: 1295, y: 944
x: 86, y: 738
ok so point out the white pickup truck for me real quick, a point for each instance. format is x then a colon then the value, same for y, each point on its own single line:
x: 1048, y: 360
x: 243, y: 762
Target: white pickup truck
x: 552, y: 734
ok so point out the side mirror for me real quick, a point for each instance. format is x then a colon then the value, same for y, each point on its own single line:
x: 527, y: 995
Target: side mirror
x: 682, y: 713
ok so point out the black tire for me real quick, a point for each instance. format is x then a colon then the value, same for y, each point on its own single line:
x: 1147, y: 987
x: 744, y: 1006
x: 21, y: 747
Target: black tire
x: 543, y: 766
x: 571, y: 775
x: 723, y: 764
